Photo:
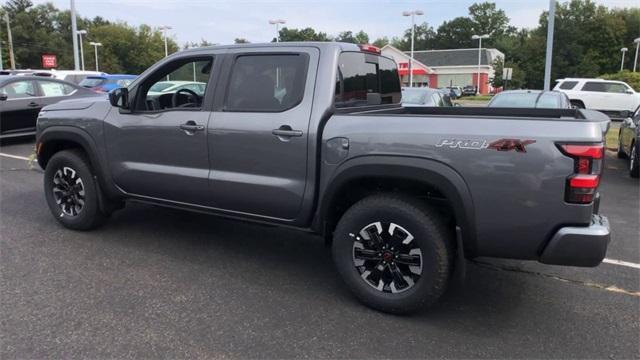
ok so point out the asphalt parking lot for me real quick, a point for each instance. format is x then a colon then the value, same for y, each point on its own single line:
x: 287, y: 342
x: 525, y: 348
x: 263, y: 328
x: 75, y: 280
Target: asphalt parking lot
x: 157, y: 282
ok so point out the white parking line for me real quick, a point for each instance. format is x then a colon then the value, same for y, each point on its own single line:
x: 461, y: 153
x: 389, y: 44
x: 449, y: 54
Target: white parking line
x: 621, y: 263
x: 15, y: 156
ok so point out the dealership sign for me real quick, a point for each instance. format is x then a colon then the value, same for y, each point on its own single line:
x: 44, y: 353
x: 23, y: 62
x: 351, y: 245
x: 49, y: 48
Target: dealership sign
x: 49, y: 61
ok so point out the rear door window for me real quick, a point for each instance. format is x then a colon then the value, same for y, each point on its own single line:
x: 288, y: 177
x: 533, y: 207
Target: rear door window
x: 267, y: 82
x: 366, y: 79
x: 568, y: 85
x: 19, y: 90
x: 52, y: 88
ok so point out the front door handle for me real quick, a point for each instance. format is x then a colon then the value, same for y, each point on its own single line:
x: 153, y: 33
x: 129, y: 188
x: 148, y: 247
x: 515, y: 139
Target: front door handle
x: 286, y: 131
x: 33, y: 104
x: 191, y: 127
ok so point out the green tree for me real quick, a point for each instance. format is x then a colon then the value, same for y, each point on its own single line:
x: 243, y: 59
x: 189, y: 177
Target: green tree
x: 488, y: 19
x: 517, y: 76
x: 240, y: 41
x: 381, y: 42
x: 44, y: 29
x: 455, y: 34
x: 306, y: 34
x: 423, y: 38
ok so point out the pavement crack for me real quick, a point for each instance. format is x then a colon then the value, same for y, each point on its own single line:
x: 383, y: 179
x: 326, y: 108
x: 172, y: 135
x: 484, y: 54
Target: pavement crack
x: 610, y: 288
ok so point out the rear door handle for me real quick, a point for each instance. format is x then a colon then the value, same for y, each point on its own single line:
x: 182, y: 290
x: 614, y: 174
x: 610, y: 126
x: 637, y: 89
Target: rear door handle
x: 191, y: 126
x: 286, y: 131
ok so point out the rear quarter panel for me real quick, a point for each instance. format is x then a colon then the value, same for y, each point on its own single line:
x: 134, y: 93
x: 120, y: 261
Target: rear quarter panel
x: 518, y: 197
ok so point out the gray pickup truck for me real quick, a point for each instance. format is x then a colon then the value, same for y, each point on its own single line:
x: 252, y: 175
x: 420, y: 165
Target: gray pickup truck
x: 311, y: 136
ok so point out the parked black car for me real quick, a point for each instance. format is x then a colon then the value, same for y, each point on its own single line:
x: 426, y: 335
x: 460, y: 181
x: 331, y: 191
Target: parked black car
x: 22, y: 97
x: 629, y: 141
x: 469, y: 90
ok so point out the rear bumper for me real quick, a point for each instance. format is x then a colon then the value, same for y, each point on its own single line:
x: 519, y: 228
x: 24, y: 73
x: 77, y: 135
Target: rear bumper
x: 579, y: 246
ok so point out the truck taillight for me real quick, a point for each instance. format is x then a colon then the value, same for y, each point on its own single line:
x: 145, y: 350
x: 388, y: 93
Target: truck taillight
x: 583, y: 184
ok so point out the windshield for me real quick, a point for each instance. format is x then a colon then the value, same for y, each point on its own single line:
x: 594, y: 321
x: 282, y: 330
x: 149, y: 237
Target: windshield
x: 160, y: 86
x: 91, y: 82
x: 415, y: 96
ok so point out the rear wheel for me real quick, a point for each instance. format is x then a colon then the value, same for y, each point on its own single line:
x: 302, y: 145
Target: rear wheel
x: 71, y: 192
x: 634, y: 161
x: 393, y: 252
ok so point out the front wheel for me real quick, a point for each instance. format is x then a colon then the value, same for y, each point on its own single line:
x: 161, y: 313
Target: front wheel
x: 71, y: 192
x: 634, y: 161
x: 393, y: 252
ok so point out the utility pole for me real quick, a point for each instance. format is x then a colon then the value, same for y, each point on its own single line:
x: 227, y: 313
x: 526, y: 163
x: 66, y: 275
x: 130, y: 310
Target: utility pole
x: 74, y: 35
x: 12, y: 59
x: 547, y: 63
x: 1, y: 68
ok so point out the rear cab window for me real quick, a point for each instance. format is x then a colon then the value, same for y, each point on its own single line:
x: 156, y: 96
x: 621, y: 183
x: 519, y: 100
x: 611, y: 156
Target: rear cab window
x: 365, y: 79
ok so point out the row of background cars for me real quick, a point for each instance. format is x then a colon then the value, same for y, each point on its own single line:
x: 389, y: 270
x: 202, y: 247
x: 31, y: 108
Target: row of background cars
x: 23, y: 93
x: 616, y: 99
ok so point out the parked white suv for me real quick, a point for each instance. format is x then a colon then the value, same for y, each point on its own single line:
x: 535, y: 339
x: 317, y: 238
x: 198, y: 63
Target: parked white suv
x: 609, y: 96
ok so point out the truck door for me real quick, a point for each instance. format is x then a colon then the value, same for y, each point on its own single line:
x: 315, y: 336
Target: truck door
x: 258, y: 136
x: 159, y: 149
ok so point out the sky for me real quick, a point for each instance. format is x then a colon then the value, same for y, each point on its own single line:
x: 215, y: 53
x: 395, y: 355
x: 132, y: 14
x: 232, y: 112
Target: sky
x: 222, y: 21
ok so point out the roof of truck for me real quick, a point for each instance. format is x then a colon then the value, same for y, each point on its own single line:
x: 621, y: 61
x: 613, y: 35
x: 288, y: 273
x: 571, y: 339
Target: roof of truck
x: 319, y: 44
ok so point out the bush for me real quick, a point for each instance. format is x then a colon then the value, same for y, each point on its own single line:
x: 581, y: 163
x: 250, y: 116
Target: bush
x: 631, y: 78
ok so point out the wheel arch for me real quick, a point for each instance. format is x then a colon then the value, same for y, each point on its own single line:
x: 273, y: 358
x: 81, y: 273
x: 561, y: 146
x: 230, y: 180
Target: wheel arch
x: 423, y: 177
x: 58, y: 138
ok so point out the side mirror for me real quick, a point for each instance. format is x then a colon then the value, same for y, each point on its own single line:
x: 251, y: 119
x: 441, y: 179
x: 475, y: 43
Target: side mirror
x: 3, y: 97
x: 625, y: 114
x: 119, y: 97
x: 629, y: 91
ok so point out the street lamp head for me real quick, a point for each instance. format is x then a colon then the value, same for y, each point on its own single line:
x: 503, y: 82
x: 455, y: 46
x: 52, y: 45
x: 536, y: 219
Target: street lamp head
x: 636, y: 40
x: 277, y: 21
x: 95, y: 43
x: 414, y: 12
x: 165, y: 27
x: 476, y: 37
x: 624, y: 49
x: 82, y: 32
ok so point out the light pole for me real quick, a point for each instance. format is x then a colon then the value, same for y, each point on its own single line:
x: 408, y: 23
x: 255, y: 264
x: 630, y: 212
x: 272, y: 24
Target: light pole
x: 551, y: 20
x: 80, y: 33
x: 635, y: 61
x: 277, y: 23
x: 479, y: 38
x: 412, y: 13
x: 623, y: 51
x: 74, y: 36
x: 95, y: 48
x: 12, y: 59
x: 164, y: 29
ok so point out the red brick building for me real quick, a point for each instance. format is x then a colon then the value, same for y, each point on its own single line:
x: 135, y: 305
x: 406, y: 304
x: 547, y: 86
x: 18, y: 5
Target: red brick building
x: 451, y: 67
